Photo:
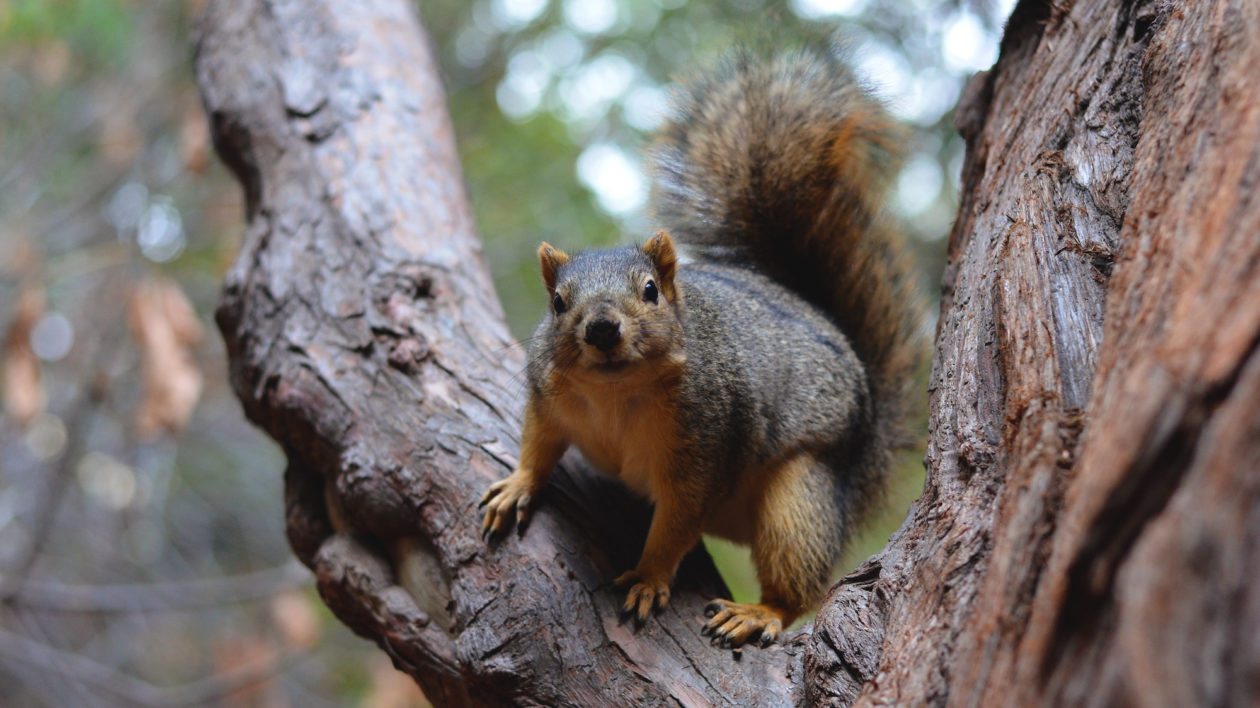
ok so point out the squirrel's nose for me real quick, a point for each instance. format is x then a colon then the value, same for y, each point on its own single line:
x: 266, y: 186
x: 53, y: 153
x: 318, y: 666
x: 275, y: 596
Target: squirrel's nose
x: 603, y: 334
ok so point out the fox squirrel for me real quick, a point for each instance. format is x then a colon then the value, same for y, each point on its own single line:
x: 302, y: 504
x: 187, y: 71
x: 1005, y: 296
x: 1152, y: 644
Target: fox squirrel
x: 757, y: 391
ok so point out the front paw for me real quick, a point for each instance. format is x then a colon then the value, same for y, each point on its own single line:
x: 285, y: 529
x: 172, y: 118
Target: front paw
x: 515, y: 493
x: 645, y: 595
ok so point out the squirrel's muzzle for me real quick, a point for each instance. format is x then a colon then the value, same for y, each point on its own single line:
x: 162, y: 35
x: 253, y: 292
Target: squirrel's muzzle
x: 603, y: 333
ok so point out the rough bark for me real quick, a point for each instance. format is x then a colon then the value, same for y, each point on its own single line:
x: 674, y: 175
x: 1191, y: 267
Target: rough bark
x: 365, y: 336
x: 1088, y: 531
x: 1090, y: 525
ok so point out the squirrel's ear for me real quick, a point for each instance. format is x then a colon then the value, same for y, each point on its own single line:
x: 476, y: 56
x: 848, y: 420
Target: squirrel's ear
x: 660, y: 248
x: 550, y: 259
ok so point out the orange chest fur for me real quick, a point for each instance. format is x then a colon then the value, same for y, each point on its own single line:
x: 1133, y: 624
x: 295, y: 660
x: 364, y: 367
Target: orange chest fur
x: 627, y: 429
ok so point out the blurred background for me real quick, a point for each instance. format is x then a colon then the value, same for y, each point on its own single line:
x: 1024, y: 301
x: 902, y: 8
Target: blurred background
x: 142, y: 551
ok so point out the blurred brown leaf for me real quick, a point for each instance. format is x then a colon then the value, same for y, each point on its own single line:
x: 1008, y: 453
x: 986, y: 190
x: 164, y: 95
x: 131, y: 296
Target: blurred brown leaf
x: 195, y: 7
x: 166, y: 329
x: 194, y: 138
x: 23, y: 387
x: 19, y: 254
x: 242, y: 654
x: 50, y: 62
x: 120, y: 138
x: 296, y: 619
x: 391, y: 688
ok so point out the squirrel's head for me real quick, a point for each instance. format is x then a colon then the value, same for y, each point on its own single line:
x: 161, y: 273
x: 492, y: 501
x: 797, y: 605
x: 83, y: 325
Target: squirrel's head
x: 610, y: 310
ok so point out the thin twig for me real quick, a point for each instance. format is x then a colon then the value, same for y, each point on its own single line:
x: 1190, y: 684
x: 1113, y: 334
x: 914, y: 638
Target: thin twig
x: 48, y: 502
x: 136, y: 691
x: 159, y: 596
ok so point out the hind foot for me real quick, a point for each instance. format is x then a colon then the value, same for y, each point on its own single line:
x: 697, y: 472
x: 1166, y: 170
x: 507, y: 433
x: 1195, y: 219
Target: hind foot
x: 732, y: 624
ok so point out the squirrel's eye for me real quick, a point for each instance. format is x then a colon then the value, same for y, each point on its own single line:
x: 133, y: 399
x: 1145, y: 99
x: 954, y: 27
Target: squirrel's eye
x: 649, y: 291
x: 557, y: 304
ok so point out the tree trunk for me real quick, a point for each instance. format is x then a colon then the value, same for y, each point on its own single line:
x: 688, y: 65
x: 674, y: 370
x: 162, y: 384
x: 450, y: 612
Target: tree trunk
x: 1089, y: 532
x: 1091, y: 516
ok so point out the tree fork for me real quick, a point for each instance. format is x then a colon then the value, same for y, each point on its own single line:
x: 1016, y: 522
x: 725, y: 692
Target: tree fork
x: 1089, y: 524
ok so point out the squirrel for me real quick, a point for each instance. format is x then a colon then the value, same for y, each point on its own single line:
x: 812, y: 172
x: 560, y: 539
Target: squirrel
x: 757, y: 388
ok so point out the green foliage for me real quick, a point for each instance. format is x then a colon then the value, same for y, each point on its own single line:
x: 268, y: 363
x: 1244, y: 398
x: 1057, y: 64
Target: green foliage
x: 97, y: 30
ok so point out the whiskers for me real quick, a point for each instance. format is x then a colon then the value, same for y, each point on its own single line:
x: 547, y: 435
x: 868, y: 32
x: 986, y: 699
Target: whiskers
x: 547, y: 345
x: 554, y: 345
x: 559, y: 354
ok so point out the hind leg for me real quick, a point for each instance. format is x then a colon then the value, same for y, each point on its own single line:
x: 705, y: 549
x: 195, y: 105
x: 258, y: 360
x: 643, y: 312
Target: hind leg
x: 796, y: 541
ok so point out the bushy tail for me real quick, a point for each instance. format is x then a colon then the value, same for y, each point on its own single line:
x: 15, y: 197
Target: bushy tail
x: 782, y: 160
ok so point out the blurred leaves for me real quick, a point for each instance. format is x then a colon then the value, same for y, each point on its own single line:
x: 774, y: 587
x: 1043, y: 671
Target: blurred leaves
x: 23, y: 388
x: 97, y: 30
x: 166, y: 329
x: 296, y: 619
x: 141, y: 519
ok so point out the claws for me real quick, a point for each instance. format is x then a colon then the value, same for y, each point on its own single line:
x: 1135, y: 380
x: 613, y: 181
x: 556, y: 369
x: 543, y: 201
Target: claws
x: 731, y: 625
x: 504, y: 496
x: 644, y: 597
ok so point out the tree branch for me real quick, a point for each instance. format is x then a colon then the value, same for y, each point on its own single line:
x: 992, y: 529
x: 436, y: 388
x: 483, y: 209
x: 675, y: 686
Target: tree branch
x: 159, y: 596
x: 137, y: 691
